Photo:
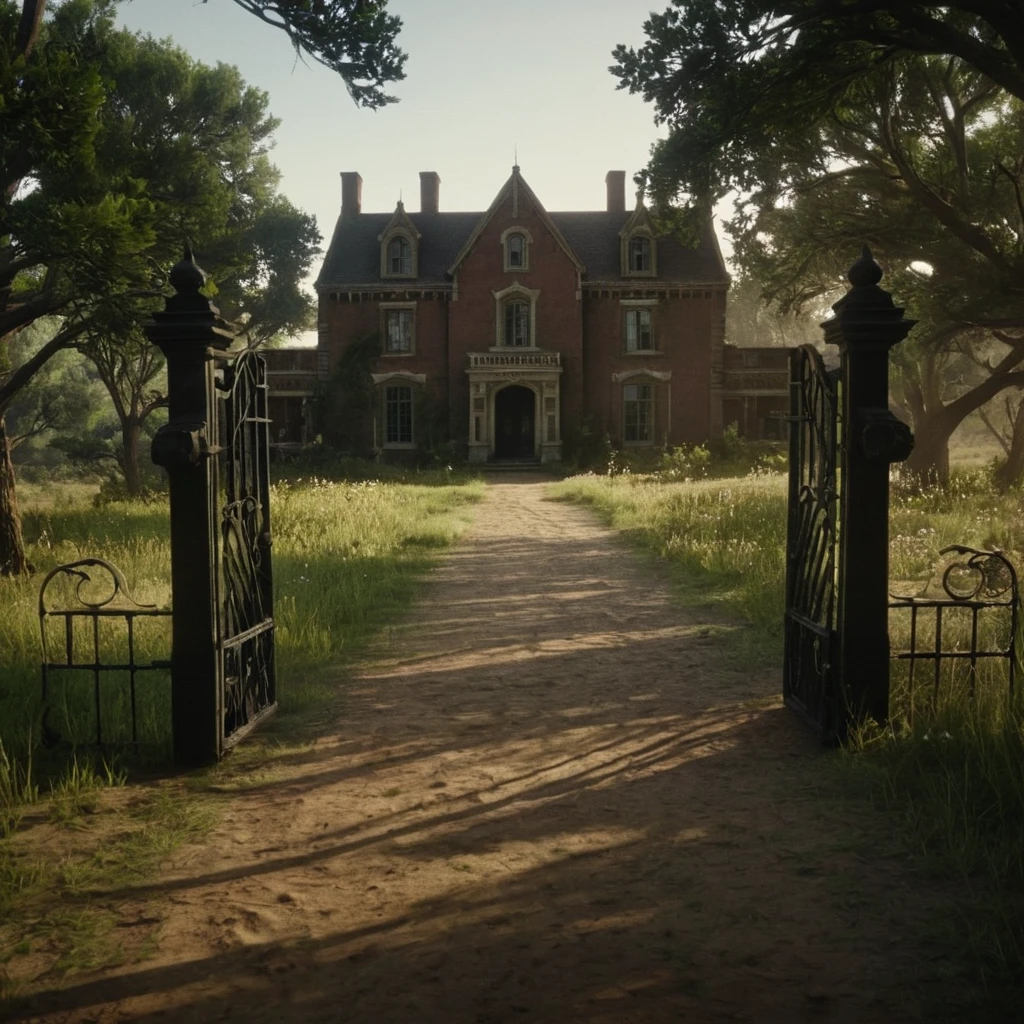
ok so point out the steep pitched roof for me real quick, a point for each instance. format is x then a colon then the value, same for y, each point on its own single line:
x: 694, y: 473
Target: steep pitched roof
x: 593, y: 236
x: 516, y: 183
x: 353, y: 258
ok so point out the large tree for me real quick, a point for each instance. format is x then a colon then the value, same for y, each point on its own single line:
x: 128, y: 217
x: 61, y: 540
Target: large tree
x: 920, y: 160
x: 354, y: 38
x: 919, y: 156
x: 152, y: 150
x: 737, y: 81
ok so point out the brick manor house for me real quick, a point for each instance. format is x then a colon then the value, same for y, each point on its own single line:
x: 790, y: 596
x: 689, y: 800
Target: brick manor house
x: 520, y: 326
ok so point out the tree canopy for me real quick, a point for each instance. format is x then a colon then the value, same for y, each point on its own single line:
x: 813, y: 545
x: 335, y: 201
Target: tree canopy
x: 738, y: 82
x: 357, y: 39
x: 154, y: 150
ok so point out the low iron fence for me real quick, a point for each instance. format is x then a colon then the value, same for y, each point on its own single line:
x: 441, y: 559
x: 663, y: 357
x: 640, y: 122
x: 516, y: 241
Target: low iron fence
x: 95, y: 632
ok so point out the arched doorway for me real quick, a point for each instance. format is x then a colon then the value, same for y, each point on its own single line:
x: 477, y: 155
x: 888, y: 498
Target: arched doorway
x: 514, y: 416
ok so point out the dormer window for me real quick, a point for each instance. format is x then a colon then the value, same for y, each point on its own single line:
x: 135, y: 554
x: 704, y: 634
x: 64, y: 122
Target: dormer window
x: 516, y: 250
x: 399, y: 262
x: 515, y: 244
x: 640, y: 254
x: 398, y: 244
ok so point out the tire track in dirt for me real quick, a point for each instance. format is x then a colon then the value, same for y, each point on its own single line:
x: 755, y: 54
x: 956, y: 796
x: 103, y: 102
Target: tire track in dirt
x: 553, y: 797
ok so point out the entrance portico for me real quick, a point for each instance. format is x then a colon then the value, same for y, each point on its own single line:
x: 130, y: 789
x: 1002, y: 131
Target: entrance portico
x: 514, y: 406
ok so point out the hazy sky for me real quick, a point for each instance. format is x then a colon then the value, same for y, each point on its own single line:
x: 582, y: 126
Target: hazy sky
x: 483, y: 79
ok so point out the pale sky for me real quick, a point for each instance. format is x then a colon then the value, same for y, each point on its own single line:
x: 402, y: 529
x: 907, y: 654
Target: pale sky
x: 483, y: 80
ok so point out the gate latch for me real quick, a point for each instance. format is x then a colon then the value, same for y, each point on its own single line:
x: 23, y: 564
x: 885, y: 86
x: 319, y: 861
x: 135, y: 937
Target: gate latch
x: 884, y: 437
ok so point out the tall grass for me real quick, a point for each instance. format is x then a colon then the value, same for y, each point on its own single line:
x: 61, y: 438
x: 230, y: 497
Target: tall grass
x: 952, y: 769
x: 346, y: 557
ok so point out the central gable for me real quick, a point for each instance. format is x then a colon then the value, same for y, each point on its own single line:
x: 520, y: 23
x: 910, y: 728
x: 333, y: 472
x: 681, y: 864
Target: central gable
x: 508, y: 206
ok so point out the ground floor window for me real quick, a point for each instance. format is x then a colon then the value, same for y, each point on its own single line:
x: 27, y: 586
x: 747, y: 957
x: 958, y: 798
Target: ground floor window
x: 398, y: 414
x: 638, y: 412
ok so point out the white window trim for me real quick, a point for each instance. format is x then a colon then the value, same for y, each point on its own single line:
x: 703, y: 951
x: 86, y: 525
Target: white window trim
x: 385, y: 270
x: 398, y: 380
x: 528, y: 241
x: 384, y: 307
x: 515, y: 291
x: 652, y: 440
x: 627, y: 268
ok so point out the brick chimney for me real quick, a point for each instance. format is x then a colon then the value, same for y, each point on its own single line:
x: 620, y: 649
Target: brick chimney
x: 616, y: 183
x: 351, y: 193
x: 430, y: 189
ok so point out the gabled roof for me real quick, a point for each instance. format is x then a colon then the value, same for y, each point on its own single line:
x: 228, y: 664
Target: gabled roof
x: 353, y: 258
x: 639, y: 218
x: 592, y: 236
x: 515, y: 184
x: 400, y: 220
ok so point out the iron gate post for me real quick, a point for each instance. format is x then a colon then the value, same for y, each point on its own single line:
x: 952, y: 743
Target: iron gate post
x: 190, y: 332
x: 866, y: 325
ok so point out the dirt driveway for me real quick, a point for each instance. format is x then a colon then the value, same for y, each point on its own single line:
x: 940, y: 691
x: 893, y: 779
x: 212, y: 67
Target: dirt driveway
x: 554, y: 797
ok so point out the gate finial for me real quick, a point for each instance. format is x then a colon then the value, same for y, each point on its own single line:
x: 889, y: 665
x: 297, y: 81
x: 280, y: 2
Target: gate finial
x: 186, y: 275
x: 865, y: 271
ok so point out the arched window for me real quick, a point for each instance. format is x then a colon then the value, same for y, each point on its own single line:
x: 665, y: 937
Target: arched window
x: 517, y: 323
x: 399, y: 256
x: 639, y: 254
x: 516, y: 251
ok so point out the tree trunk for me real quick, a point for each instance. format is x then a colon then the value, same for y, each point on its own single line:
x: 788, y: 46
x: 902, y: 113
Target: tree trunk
x: 12, y: 545
x: 929, y: 461
x: 131, y: 429
x: 1011, y: 471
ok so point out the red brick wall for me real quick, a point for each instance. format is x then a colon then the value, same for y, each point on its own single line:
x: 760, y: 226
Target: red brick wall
x: 682, y: 331
x: 472, y: 317
x: 347, y: 320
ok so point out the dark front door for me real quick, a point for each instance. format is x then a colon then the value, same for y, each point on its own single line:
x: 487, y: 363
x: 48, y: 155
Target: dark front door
x: 513, y: 423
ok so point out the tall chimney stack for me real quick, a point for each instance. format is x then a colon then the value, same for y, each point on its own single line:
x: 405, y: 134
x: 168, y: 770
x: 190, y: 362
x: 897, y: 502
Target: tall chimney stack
x: 616, y: 184
x: 430, y: 191
x: 351, y: 193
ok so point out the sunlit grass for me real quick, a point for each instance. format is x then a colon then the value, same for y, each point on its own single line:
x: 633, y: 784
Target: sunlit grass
x: 346, y: 558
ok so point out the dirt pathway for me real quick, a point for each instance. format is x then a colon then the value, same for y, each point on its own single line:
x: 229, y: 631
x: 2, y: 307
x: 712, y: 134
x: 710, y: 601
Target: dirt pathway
x: 555, y: 801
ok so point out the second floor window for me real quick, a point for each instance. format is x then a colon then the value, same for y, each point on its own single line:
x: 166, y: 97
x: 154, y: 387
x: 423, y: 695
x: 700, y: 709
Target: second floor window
x: 639, y: 254
x: 638, y: 330
x: 517, y: 324
x: 398, y: 335
x: 399, y: 256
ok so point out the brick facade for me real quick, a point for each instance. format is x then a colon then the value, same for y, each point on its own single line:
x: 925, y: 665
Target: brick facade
x: 528, y: 326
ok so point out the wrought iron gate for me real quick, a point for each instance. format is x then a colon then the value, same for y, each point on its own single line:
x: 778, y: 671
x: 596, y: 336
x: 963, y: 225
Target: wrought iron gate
x: 241, y: 507
x: 811, y: 684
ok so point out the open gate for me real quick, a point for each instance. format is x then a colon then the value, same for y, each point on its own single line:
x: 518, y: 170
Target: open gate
x: 811, y: 679
x: 245, y: 583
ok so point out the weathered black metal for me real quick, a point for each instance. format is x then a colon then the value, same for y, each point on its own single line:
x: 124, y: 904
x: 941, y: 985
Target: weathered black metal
x: 866, y: 326
x: 215, y: 449
x: 980, y: 581
x: 246, y: 633
x: 810, y: 682
x: 118, y: 604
